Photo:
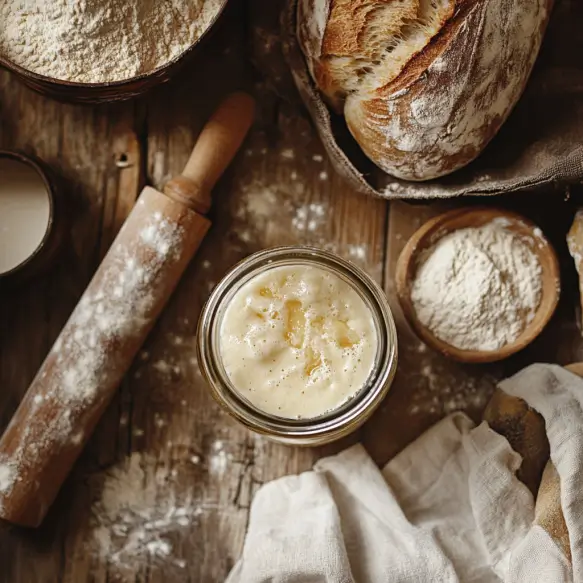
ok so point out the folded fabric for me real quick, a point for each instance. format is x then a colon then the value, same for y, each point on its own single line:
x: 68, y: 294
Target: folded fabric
x: 448, y: 508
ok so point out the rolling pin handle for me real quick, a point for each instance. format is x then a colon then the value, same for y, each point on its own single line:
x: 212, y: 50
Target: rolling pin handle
x: 216, y: 146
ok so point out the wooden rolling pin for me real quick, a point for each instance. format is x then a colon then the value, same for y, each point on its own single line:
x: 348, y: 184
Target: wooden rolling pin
x: 97, y: 345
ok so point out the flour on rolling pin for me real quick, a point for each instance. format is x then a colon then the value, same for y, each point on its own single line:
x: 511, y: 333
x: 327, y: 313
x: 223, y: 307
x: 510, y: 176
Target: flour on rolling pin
x: 111, y: 321
x: 95, y: 329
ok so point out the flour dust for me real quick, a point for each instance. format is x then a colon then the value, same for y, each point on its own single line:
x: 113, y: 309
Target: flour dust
x: 287, y: 210
x: 139, y: 511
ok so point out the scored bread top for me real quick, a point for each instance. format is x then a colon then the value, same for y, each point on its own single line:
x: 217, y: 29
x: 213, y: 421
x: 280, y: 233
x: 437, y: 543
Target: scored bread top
x: 368, y: 43
x: 452, y: 98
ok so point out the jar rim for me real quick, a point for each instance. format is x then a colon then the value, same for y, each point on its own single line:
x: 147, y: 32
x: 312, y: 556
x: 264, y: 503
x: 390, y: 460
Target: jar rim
x: 336, y: 422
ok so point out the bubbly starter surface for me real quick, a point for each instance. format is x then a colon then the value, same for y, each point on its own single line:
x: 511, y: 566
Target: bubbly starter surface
x: 297, y: 341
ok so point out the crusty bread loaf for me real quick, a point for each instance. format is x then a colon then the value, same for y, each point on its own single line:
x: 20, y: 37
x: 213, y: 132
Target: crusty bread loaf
x: 368, y: 43
x: 424, y: 85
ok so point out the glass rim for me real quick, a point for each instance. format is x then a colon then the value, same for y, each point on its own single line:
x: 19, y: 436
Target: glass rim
x: 356, y: 409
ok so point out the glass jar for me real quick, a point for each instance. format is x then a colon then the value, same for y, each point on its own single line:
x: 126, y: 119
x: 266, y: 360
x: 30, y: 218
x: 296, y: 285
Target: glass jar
x: 333, y: 424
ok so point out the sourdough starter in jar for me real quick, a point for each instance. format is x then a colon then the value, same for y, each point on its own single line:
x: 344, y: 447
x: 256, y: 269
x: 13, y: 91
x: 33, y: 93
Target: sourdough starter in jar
x: 298, y: 341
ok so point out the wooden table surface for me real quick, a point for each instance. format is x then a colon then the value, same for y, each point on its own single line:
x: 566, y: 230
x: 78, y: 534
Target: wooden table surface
x: 280, y: 190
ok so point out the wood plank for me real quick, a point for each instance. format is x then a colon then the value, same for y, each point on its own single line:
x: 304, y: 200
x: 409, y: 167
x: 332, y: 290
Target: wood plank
x: 82, y: 146
x: 280, y: 190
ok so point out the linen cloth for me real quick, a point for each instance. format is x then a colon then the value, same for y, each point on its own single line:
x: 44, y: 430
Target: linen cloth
x: 448, y: 508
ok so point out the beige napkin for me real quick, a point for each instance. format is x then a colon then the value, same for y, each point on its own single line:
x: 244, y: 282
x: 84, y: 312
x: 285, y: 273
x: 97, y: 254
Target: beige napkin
x: 448, y: 508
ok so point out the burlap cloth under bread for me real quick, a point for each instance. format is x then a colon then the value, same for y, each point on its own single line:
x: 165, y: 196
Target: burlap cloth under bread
x: 541, y: 144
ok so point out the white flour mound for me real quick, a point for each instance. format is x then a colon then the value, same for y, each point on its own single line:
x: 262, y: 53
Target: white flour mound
x: 95, y: 41
x: 478, y: 288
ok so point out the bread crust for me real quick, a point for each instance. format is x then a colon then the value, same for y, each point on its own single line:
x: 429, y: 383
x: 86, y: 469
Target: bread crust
x: 451, y: 98
x: 361, y: 35
x: 349, y: 18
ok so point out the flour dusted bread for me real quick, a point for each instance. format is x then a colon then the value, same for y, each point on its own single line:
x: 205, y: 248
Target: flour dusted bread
x: 424, y: 85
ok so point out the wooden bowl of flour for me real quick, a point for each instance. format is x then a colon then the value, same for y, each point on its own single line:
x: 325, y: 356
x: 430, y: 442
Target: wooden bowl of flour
x: 117, y: 90
x: 419, y: 245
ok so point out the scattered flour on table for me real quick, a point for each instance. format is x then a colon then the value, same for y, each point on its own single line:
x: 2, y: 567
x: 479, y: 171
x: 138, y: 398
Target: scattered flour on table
x: 309, y: 222
x: 137, y: 512
x: 310, y: 216
x: 262, y: 210
x: 478, y: 288
x: 219, y: 458
x: 175, y: 362
x: 357, y: 252
x: 256, y: 203
x: 166, y: 368
x: 440, y: 388
x: 437, y: 386
x: 100, y: 40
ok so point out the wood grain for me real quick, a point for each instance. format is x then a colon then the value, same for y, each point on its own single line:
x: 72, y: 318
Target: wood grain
x: 82, y: 146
